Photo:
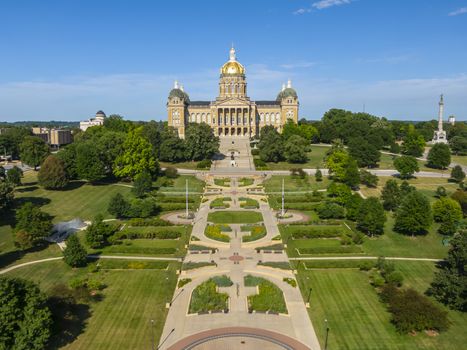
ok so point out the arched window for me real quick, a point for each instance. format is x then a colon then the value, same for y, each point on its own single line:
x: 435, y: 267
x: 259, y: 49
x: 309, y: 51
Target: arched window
x: 261, y: 117
x: 208, y: 118
x: 198, y: 118
x: 192, y: 118
x: 267, y: 118
x: 203, y: 118
x: 278, y: 118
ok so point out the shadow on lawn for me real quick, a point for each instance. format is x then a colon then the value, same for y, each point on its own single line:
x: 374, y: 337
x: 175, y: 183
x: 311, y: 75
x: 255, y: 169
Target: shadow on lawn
x: 10, y: 257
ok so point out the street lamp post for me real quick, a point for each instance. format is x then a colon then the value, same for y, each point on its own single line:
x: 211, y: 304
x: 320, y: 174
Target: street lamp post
x: 309, y: 296
x: 327, y: 334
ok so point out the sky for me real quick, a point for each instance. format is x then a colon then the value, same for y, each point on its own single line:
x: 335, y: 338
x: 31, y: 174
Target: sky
x: 64, y: 60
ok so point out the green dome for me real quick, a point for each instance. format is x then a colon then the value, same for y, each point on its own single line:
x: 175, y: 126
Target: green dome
x: 288, y: 92
x: 179, y: 93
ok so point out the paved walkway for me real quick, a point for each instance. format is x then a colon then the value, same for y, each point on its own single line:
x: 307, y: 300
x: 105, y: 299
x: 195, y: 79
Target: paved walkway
x: 180, y: 325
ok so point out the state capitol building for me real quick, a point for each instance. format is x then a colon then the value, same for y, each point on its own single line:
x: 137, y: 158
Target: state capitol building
x: 232, y: 114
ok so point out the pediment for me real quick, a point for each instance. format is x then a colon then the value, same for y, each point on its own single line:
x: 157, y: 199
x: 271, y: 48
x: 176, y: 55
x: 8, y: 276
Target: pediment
x: 232, y: 102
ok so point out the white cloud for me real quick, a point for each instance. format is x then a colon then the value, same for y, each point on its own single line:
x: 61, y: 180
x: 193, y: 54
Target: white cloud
x: 329, y: 3
x: 323, y: 4
x: 457, y: 12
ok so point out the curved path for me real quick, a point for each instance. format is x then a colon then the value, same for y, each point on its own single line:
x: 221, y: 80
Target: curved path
x: 92, y: 256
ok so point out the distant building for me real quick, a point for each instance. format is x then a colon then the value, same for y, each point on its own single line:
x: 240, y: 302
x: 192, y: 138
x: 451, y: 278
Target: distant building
x: 232, y: 113
x: 96, y: 121
x: 452, y: 120
x: 54, y: 137
x: 440, y: 134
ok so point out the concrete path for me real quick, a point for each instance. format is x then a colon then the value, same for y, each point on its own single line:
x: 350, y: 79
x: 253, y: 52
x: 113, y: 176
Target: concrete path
x: 237, y: 259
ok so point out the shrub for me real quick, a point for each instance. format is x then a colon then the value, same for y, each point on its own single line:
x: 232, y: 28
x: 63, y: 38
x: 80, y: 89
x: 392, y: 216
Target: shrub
x: 256, y: 232
x: 222, y: 281
x: 183, y: 282
x: 255, y: 152
x: 148, y: 222
x: 395, y: 278
x: 366, y: 265
x: 412, y: 311
x: 329, y: 210
x: 259, y: 163
x: 205, y: 298
x: 171, y: 172
x: 74, y: 254
x: 290, y: 281
x: 204, y: 164
x: 135, y: 234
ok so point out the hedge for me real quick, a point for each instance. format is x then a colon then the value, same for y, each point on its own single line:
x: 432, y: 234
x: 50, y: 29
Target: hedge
x: 149, y: 222
x: 109, y: 264
x: 135, y: 234
x: 140, y: 250
x: 339, y: 264
x: 331, y: 250
x: 315, y: 232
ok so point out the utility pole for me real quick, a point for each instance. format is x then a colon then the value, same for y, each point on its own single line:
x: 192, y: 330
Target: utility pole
x: 282, y: 211
x: 186, y: 199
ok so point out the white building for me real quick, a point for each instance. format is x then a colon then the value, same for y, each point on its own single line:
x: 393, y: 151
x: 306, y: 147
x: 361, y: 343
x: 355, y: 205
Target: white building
x: 440, y: 134
x: 97, y: 120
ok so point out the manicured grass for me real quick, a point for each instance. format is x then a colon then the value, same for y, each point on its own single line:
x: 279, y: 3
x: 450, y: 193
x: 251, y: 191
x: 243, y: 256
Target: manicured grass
x: 269, y: 298
x: 224, y: 182
x: 461, y: 160
x: 256, y: 232
x: 215, y: 232
x: 179, y: 185
x: 180, y: 165
x: 220, y: 203
x: 79, y: 199
x: 426, y: 185
x: 396, y: 244
x: 315, y: 160
x: 205, y: 298
x: 387, y: 162
x: 248, y: 203
x: 235, y: 217
x: 358, y: 320
x: 116, y: 264
x: 294, y: 184
x: 245, y: 181
x: 121, y: 320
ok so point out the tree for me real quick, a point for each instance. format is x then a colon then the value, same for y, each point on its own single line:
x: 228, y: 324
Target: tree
x: 368, y: 178
x: 441, y: 192
x: 109, y: 146
x: 329, y: 210
x: 458, y: 145
x: 74, y: 254
x: 302, y: 129
x: 172, y: 148
x: 365, y: 153
x: 457, y: 174
x: 119, y: 206
x: 318, y: 175
x: 142, y: 184
x: 115, y: 122
x: 88, y: 163
x: 371, y: 217
x: 340, y: 193
x: 171, y: 172
x: 6, y: 195
x: 461, y: 197
x: 406, y: 166
x: 449, y: 284
x: 391, y: 195
x: 14, y: 176
x: 26, y: 318
x: 336, y: 163
x: 35, y: 223
x: 138, y: 156
x: 295, y: 149
x: 439, y: 156
x: 52, y: 173
x: 98, y: 232
x: 270, y: 145
x: 352, y: 206
x: 413, y: 215
x: 200, y: 141
x: 351, y: 174
x: 413, y: 143
x: 448, y: 212
x: 68, y: 156
x: 33, y: 151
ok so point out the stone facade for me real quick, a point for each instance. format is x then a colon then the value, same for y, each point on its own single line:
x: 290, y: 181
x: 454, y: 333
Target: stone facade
x: 232, y: 114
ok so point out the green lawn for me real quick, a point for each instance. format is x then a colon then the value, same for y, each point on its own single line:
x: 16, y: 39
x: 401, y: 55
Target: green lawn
x: 315, y: 160
x: 462, y: 160
x: 294, y: 183
x: 179, y: 185
x: 426, y: 185
x: 78, y: 200
x: 235, y: 217
x: 181, y: 165
x: 131, y: 300
x: 224, y: 182
x: 358, y: 320
x: 387, y: 162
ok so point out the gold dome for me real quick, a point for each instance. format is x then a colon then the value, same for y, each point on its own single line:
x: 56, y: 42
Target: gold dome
x: 232, y: 68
